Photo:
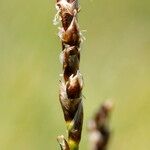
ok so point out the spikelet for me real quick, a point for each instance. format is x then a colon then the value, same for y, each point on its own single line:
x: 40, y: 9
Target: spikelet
x: 71, y: 84
x: 98, y: 127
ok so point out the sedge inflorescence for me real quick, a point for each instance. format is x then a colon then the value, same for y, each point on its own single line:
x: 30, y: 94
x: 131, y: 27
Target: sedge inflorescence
x: 71, y: 82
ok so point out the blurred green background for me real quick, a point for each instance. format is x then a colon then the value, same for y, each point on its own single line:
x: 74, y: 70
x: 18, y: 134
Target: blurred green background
x: 115, y: 64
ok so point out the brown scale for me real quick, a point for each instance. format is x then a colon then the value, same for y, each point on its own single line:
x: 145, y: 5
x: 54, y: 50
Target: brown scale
x: 66, y: 18
x: 71, y: 62
x: 73, y: 91
x: 75, y: 134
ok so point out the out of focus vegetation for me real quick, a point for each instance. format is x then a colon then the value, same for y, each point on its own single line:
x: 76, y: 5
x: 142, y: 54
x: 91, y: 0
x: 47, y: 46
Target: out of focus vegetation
x: 115, y: 64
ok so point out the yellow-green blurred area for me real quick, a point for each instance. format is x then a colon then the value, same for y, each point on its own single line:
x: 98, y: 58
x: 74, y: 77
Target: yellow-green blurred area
x: 115, y: 63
